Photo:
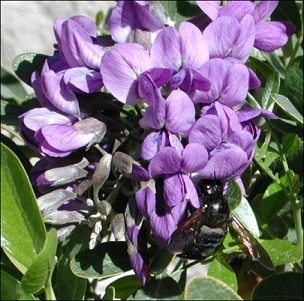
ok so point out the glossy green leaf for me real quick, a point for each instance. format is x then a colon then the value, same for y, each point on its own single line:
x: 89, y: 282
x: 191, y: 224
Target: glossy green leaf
x: 282, y: 251
x: 165, y: 288
x: 40, y: 271
x: 294, y: 83
x: 71, y: 246
x: 209, y: 288
x: 106, y: 260
x: 125, y: 286
x: 222, y: 270
x: 286, y: 105
x: 282, y: 286
x: 11, y: 289
x: 291, y: 143
x: 284, y: 125
x: 25, y: 64
x: 22, y: 228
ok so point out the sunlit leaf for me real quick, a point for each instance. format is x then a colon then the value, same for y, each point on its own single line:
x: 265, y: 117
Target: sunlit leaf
x: 22, y: 228
x: 222, y: 270
x: 209, y: 288
x: 11, y: 289
x: 41, y: 269
x: 286, y: 105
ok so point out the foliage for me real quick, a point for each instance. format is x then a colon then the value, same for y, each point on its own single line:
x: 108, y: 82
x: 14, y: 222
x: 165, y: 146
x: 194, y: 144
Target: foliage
x: 34, y: 267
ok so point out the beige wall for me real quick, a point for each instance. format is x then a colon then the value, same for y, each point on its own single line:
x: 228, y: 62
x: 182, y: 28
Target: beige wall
x: 27, y: 26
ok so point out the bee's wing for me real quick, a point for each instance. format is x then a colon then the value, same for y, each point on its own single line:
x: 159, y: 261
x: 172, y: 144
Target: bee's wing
x: 254, y: 248
x: 183, y: 238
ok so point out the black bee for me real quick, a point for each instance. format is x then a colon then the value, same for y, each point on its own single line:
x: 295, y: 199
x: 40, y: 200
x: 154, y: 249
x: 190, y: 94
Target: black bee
x: 203, y: 233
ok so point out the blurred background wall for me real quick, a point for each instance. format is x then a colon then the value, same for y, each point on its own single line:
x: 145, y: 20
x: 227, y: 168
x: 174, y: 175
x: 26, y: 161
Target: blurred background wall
x: 27, y: 26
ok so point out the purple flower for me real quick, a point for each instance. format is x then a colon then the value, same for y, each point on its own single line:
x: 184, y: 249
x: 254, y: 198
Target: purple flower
x: 229, y: 84
x: 128, y: 17
x: 132, y: 60
x: 184, y: 52
x: 269, y: 35
x: 55, y: 134
x: 230, y: 145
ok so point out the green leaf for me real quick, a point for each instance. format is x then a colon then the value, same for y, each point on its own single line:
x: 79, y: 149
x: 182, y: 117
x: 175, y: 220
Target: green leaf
x: 275, y: 62
x: 244, y: 213
x: 71, y: 246
x: 125, y: 286
x: 273, y: 199
x: 22, y: 228
x: 272, y: 86
x: 165, y: 288
x: 160, y: 261
x: 11, y: 289
x: 40, y: 271
x: 286, y: 105
x: 179, y: 11
x: 25, y: 64
x: 294, y: 83
x: 106, y: 260
x: 282, y: 286
x: 10, y: 112
x: 209, y: 288
x: 291, y: 143
x: 11, y: 87
x: 109, y: 293
x: 222, y: 270
x: 234, y: 195
x: 281, y: 251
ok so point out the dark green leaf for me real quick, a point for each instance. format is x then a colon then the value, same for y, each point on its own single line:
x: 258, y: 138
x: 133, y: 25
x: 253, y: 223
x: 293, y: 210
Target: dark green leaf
x: 165, y: 288
x: 286, y: 126
x: 71, y: 246
x: 22, y: 228
x: 285, y: 104
x: 25, y: 64
x: 283, y: 286
x: 209, y: 288
x: 10, y: 112
x: 11, y: 87
x: 290, y: 143
x: 161, y: 261
x: 106, y: 260
x: 125, y: 286
x: 40, y: 271
x: 287, y: 11
x: 181, y: 10
x: 222, y: 270
x: 11, y: 289
x: 294, y: 83
x: 109, y: 294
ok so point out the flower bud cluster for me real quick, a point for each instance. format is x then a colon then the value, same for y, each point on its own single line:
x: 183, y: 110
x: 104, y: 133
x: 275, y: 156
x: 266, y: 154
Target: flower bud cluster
x: 188, y: 86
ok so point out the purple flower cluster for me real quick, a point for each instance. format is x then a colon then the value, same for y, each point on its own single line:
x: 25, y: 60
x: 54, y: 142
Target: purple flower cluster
x: 189, y: 85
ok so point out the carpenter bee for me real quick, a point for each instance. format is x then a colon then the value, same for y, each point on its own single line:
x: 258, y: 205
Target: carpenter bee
x: 203, y: 233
